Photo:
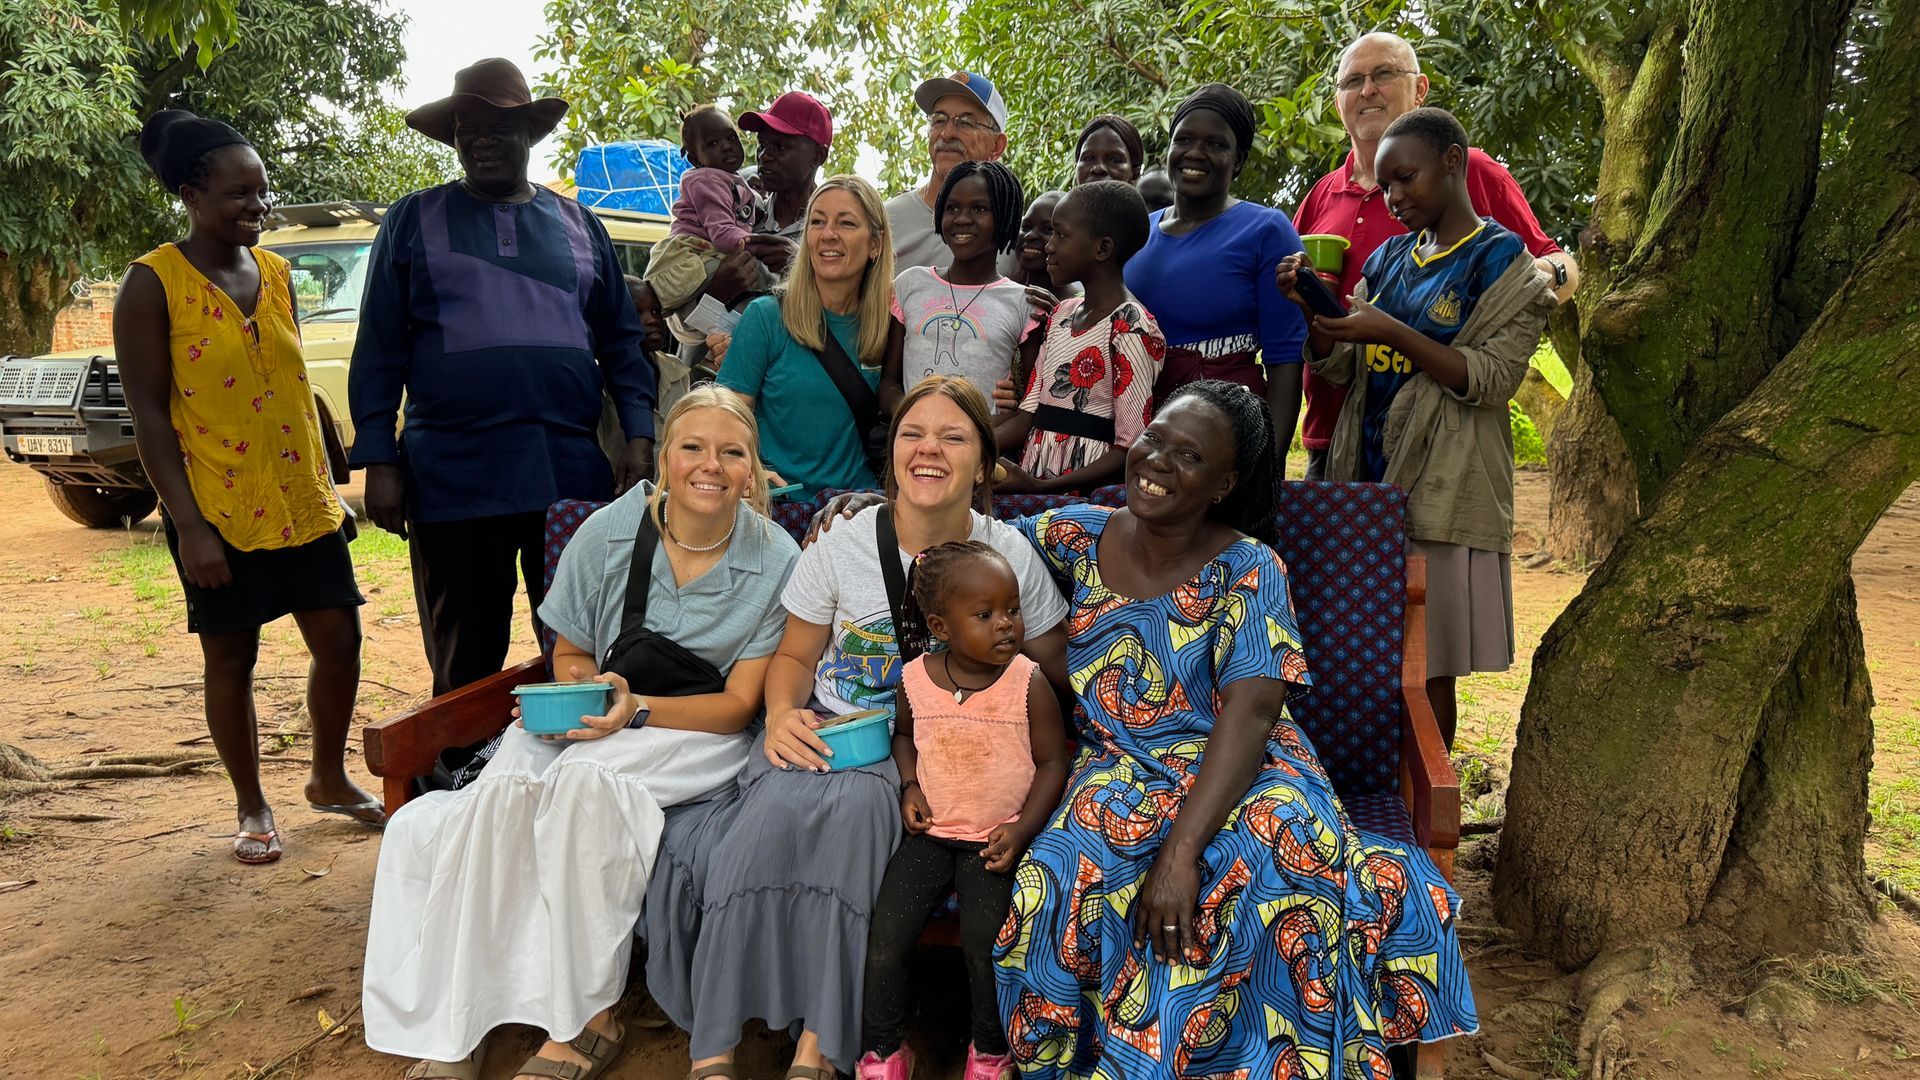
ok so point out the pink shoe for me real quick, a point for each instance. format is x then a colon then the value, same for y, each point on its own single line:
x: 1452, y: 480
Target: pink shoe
x: 895, y: 1066
x: 988, y: 1066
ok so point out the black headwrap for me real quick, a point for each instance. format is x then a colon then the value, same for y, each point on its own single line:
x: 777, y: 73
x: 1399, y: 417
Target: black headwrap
x: 1232, y: 106
x: 1121, y: 126
x: 176, y: 144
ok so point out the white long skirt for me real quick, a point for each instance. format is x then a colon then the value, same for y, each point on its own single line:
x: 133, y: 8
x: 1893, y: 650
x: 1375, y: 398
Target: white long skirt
x: 515, y: 900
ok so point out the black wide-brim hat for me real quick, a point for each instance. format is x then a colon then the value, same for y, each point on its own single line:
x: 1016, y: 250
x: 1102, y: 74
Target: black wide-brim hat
x: 493, y: 82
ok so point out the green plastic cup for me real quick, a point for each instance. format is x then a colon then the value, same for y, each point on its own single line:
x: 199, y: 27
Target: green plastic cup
x: 1327, y: 250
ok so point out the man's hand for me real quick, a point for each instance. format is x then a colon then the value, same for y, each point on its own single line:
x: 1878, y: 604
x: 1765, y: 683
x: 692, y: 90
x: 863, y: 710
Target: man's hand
x: 736, y: 274
x: 386, y: 498
x: 635, y: 465
x: 774, y: 252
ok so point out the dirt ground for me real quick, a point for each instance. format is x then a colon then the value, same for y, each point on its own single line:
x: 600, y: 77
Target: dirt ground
x: 137, y: 947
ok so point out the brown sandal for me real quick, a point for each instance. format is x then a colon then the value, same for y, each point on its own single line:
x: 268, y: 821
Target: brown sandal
x: 599, y: 1050
x: 467, y: 1068
x: 719, y: 1070
x: 812, y: 1072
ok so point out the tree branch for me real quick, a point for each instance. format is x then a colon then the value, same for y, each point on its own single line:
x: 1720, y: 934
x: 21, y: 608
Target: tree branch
x: 1128, y: 60
x: 1872, y: 176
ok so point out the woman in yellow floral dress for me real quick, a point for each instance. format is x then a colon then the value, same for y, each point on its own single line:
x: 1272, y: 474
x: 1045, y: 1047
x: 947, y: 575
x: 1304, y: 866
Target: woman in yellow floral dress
x: 208, y: 348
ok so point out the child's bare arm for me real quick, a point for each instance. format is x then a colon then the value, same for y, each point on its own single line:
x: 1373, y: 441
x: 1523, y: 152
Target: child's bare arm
x: 915, y: 814
x: 892, y: 381
x: 1007, y: 843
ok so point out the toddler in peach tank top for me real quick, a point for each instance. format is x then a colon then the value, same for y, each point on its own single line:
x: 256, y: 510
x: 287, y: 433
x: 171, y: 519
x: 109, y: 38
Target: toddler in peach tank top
x: 982, y: 755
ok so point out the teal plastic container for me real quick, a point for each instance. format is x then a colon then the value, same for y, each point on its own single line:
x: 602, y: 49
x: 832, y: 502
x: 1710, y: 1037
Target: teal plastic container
x: 556, y: 708
x: 859, y: 742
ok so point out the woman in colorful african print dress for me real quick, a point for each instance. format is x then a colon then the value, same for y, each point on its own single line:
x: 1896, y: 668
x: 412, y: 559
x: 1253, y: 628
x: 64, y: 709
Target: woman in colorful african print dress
x: 1186, y: 919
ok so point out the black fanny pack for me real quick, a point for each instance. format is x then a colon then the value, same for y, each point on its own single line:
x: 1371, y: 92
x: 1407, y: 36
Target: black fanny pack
x: 654, y: 665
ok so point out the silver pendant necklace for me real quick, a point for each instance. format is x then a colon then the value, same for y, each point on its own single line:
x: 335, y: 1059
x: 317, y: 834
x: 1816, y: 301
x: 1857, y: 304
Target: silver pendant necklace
x: 959, y: 692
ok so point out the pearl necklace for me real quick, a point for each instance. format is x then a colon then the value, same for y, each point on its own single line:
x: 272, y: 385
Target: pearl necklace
x: 690, y: 547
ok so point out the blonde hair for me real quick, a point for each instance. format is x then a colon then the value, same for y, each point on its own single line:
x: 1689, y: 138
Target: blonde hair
x: 706, y: 395
x: 800, y: 308
x: 974, y: 405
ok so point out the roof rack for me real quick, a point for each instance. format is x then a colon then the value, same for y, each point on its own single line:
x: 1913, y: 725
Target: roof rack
x: 326, y: 214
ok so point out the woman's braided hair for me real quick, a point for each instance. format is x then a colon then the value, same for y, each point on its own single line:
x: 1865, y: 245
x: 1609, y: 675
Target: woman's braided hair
x: 1251, y: 505
x: 1004, y: 194
x: 931, y: 574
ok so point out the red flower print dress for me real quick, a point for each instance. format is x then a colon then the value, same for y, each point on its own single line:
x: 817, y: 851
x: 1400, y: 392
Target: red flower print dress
x: 1091, y: 391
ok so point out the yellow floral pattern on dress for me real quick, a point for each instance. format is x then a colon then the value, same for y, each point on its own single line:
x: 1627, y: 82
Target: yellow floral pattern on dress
x: 242, y: 409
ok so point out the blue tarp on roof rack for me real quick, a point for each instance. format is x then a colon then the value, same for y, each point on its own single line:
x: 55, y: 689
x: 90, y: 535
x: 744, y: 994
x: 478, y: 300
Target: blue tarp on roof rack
x: 643, y: 175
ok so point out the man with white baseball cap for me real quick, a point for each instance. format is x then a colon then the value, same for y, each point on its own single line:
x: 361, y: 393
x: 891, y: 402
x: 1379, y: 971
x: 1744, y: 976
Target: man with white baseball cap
x: 966, y: 121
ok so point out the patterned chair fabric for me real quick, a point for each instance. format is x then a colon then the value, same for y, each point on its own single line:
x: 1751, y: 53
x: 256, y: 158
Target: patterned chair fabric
x: 1345, y: 550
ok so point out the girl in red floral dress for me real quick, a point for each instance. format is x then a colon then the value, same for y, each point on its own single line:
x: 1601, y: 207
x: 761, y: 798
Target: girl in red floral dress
x: 1091, y: 392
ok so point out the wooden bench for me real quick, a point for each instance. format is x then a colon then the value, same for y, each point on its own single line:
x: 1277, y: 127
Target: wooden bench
x: 1360, y: 601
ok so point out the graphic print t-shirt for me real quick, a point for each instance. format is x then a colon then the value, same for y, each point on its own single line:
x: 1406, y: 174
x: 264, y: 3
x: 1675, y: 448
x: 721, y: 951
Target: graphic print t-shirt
x: 837, y: 584
x: 1435, y: 296
x: 973, y: 331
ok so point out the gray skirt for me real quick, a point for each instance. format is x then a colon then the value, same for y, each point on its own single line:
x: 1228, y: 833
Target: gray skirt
x: 760, y: 904
x: 1469, y: 609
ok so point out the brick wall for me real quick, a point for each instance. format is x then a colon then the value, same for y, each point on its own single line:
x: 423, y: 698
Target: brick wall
x: 87, y: 323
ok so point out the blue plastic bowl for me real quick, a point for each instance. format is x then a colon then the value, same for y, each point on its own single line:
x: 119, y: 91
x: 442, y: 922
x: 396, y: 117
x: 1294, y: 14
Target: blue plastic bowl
x: 859, y: 742
x: 556, y: 708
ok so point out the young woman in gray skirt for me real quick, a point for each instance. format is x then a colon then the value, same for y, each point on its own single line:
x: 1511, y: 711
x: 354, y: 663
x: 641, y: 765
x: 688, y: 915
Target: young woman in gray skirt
x: 759, y: 907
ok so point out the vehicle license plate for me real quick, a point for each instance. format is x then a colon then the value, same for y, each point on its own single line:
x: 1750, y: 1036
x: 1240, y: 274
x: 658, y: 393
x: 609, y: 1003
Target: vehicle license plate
x: 46, y: 444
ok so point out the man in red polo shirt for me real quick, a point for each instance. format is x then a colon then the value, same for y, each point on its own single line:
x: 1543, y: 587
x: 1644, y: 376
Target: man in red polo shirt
x: 1379, y: 80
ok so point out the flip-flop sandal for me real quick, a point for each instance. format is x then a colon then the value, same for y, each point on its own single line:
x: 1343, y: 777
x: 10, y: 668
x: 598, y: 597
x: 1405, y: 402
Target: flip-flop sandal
x: 354, y: 811
x: 599, y: 1051
x: 467, y: 1068
x: 269, y: 839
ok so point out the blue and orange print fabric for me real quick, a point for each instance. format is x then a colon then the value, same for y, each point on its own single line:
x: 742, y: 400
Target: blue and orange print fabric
x: 1317, y: 946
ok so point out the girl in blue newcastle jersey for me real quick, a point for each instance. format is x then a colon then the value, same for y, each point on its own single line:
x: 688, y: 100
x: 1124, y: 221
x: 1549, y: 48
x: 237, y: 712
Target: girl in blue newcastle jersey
x: 1439, y: 333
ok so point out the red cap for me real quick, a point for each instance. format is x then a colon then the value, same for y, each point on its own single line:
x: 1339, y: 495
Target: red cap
x: 793, y: 113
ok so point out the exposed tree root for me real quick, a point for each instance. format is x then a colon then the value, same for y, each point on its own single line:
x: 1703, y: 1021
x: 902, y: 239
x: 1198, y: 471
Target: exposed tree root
x: 1902, y: 899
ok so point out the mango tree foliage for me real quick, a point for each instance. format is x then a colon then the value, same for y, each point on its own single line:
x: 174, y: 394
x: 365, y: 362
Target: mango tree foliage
x: 304, y: 81
x: 630, y: 68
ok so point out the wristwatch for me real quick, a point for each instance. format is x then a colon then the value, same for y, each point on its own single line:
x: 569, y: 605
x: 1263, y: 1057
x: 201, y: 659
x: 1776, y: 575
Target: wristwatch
x: 1559, y: 271
x: 640, y: 714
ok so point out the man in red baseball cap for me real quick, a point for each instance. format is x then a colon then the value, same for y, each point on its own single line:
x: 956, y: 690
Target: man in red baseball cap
x: 794, y: 134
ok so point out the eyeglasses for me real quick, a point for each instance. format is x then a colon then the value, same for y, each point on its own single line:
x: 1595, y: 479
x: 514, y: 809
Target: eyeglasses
x: 1382, y: 79
x: 967, y: 124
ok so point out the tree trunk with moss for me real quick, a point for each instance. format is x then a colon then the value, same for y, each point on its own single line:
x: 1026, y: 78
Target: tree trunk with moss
x: 1694, y: 747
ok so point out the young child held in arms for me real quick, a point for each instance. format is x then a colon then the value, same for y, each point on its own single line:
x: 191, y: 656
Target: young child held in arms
x: 1440, y: 330
x: 1091, y: 393
x: 982, y: 753
x: 968, y: 320
x: 713, y: 216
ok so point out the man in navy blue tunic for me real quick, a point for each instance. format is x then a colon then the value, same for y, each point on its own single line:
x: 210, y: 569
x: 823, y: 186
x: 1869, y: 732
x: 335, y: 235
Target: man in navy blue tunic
x: 499, y: 310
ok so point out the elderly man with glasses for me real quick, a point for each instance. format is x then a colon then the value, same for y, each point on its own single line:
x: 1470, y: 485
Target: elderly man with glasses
x: 966, y: 121
x: 1378, y: 81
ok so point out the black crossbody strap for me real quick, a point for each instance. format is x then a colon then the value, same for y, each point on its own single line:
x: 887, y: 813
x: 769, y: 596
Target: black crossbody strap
x: 862, y: 402
x: 896, y: 579
x: 633, y: 615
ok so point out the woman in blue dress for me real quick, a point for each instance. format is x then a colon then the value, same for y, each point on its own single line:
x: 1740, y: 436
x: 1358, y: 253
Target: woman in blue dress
x: 1200, y: 905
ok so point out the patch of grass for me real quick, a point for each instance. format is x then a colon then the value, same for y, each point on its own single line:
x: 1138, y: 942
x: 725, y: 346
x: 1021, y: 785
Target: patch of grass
x: 376, y: 545
x: 1851, y: 980
x: 189, y: 1018
x: 144, y: 566
x: 93, y: 614
x: 393, y: 609
x: 102, y: 668
x: 1554, y: 1054
x: 1893, y: 840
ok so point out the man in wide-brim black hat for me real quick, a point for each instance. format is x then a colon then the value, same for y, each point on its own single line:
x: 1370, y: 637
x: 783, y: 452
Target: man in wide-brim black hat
x: 499, y: 310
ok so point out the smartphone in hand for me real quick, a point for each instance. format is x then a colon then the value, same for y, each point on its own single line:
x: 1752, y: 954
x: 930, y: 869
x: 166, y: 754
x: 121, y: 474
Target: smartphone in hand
x: 1319, y: 296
